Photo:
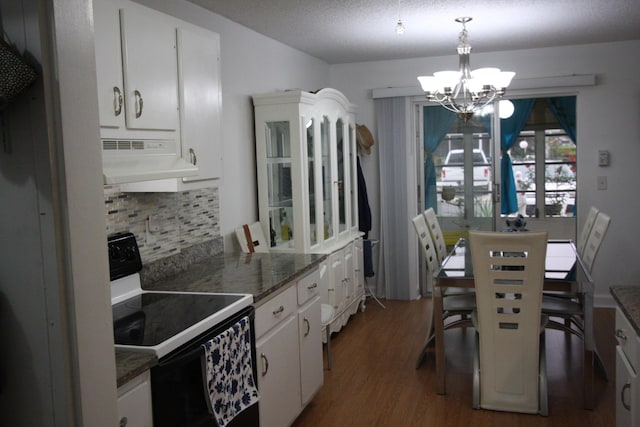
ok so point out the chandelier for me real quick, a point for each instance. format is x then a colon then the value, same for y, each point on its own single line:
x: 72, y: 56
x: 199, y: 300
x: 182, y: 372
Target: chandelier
x: 465, y: 91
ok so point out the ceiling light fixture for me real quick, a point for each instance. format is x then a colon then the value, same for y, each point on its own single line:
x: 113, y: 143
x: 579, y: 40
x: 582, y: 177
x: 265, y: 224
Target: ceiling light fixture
x: 465, y: 91
x: 399, y: 25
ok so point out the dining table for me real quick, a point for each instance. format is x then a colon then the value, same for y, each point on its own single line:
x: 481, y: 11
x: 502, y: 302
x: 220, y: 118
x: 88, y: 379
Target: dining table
x: 564, y: 271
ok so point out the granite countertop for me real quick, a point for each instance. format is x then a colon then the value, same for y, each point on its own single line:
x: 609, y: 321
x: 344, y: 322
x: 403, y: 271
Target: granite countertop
x: 130, y: 364
x: 258, y: 274
x: 628, y: 298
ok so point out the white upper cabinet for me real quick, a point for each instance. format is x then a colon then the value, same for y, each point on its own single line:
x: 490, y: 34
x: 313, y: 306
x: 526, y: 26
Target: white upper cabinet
x: 306, y: 160
x: 159, y: 97
x: 200, y: 100
x: 149, y: 61
x: 136, y: 67
x: 109, y: 64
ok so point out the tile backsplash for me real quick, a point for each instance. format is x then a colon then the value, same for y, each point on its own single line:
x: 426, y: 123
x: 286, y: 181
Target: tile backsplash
x: 184, y: 218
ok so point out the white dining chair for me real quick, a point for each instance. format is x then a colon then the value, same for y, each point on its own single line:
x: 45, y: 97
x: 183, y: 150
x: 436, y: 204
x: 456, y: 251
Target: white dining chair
x: 436, y: 234
x: 598, y: 231
x: 453, y: 305
x: 440, y: 245
x: 586, y: 229
x: 509, y: 359
x: 327, y: 314
x: 569, y: 305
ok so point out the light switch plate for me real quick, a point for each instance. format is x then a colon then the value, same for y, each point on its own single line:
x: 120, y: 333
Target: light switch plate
x: 603, y: 158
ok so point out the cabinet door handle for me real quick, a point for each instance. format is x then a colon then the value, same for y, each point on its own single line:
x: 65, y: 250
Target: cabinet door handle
x: 621, y: 336
x: 265, y: 365
x: 117, y: 101
x: 192, y: 157
x: 310, y: 287
x: 279, y: 310
x: 123, y: 422
x: 626, y: 387
x: 308, y: 325
x: 139, y: 102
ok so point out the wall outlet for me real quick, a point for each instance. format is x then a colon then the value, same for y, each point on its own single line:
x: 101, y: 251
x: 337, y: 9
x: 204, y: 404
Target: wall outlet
x: 154, y: 223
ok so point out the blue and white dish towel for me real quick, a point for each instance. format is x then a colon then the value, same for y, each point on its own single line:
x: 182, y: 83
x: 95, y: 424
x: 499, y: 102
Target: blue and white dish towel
x: 228, y: 374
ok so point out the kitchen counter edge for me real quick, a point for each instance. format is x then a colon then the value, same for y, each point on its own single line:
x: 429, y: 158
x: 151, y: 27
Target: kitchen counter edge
x: 628, y: 299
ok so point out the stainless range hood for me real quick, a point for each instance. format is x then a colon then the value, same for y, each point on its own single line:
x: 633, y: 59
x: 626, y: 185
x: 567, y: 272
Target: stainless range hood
x: 125, y: 161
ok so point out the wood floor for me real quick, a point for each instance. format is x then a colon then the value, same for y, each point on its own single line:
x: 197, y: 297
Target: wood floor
x: 374, y: 381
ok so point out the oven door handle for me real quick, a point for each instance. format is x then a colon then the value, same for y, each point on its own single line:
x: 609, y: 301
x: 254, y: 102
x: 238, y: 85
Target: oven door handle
x: 183, y: 357
x: 265, y: 365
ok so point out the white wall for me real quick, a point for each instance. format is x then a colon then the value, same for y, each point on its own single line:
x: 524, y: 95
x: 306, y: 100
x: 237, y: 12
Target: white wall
x: 57, y: 361
x: 251, y: 64
x: 608, y: 118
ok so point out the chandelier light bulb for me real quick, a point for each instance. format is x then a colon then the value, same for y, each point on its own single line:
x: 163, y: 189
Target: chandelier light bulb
x: 506, y: 109
x: 399, y: 25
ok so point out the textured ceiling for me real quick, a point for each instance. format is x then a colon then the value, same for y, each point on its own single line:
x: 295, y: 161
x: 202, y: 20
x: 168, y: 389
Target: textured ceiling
x: 343, y: 31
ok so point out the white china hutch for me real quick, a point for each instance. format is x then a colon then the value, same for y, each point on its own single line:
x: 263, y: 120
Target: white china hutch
x: 307, y: 187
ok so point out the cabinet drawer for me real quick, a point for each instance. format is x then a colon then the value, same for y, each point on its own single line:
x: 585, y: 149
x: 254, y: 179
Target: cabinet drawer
x: 308, y: 286
x: 275, y: 310
x: 627, y: 339
x: 134, y: 402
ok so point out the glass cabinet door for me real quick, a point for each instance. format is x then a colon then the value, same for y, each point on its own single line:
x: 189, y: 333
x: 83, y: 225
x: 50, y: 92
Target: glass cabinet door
x: 278, y: 139
x: 340, y: 143
x: 327, y: 200
x: 313, y: 215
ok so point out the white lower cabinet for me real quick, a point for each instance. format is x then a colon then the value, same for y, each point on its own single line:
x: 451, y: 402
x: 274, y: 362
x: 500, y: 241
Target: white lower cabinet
x: 278, y: 374
x: 289, y: 351
x: 627, y: 381
x: 134, y: 402
x: 310, y: 336
x: 345, y: 287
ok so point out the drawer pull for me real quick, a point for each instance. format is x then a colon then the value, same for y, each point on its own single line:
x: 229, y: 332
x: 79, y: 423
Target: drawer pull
x: 621, y: 336
x: 265, y: 365
x: 123, y: 422
x: 310, y: 287
x: 306, y: 322
x: 279, y: 310
x: 626, y: 387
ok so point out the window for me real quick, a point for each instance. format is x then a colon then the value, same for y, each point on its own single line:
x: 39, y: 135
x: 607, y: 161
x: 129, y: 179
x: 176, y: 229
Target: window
x: 544, y: 144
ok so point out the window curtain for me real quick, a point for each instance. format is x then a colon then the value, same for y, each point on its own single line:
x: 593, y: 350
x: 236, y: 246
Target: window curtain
x: 564, y: 109
x: 509, y: 130
x: 437, y: 122
x: 396, y: 248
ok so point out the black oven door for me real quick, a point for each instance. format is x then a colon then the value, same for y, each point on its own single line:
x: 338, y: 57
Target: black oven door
x: 178, y: 394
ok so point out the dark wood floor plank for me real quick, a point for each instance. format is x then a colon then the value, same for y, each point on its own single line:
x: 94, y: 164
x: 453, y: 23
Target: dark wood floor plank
x: 374, y: 381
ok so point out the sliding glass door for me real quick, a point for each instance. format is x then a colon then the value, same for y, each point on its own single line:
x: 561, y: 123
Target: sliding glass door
x: 456, y: 169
